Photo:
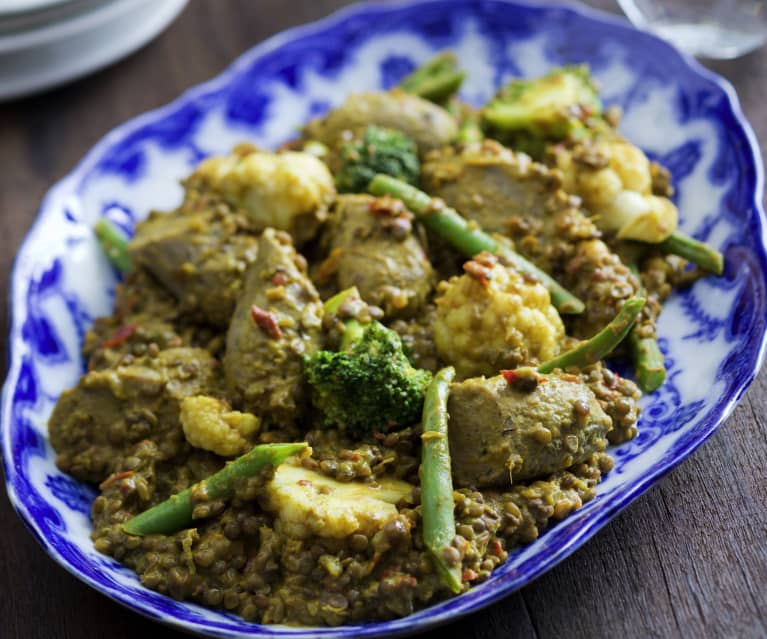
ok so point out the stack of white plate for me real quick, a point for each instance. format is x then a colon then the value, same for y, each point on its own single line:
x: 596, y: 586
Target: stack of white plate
x: 44, y: 43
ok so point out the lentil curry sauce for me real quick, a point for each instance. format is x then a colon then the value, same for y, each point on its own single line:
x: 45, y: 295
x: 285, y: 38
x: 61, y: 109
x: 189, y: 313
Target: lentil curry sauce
x: 207, y: 351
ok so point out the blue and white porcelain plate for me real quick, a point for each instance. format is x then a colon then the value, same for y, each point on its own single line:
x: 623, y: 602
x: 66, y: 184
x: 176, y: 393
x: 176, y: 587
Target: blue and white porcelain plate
x: 682, y: 115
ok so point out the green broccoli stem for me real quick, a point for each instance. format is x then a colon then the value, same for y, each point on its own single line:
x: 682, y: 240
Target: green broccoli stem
x: 175, y: 513
x: 436, y: 80
x: 603, y: 343
x: 114, y: 244
x: 470, y: 132
x: 700, y: 253
x: 437, y: 505
x: 353, y: 329
x: 467, y: 237
x: 332, y: 304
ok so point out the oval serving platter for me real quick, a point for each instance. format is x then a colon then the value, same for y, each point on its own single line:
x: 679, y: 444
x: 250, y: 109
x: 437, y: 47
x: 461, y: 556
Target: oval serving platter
x: 680, y: 114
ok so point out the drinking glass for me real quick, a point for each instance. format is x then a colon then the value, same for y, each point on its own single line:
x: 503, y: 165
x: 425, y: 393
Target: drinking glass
x: 708, y: 28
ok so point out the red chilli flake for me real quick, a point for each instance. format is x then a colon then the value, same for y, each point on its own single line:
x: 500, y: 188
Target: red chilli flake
x: 387, y: 205
x: 279, y: 279
x: 468, y: 575
x: 509, y: 376
x: 486, y: 259
x: 379, y: 204
x: 115, y: 478
x: 121, y: 334
x: 266, y: 322
x: 497, y: 548
x: 477, y: 271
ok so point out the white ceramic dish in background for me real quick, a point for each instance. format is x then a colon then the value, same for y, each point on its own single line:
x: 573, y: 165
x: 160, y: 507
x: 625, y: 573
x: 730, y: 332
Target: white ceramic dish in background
x: 12, y: 24
x: 43, y: 58
x: 15, y: 7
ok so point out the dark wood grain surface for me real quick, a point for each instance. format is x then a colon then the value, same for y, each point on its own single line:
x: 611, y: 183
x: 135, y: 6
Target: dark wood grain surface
x: 688, y: 559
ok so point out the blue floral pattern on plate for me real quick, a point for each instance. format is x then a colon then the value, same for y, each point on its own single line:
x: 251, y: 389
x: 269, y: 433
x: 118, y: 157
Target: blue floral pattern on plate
x: 681, y: 114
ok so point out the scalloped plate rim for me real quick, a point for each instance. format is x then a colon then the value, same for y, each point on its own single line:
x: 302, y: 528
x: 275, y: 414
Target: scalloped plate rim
x: 588, y: 529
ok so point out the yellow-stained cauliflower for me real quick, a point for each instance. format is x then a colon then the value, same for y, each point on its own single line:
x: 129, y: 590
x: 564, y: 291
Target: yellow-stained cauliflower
x: 211, y: 424
x: 614, y: 179
x: 289, y: 191
x: 308, y: 503
x: 493, y: 318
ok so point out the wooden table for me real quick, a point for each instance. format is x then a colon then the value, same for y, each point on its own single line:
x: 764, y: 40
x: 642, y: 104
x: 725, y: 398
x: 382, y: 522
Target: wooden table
x: 687, y: 559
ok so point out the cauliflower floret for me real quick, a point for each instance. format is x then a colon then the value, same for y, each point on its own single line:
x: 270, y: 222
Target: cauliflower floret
x: 308, y: 503
x: 493, y: 318
x: 211, y: 424
x: 648, y: 218
x: 614, y: 178
x: 631, y: 165
x: 289, y: 191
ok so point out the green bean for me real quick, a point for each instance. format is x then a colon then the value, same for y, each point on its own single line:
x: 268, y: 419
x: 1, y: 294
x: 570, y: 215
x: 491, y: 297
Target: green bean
x: 700, y: 253
x: 649, y: 363
x: 437, y: 505
x: 601, y: 344
x: 114, y: 243
x: 436, y: 80
x: 175, y: 513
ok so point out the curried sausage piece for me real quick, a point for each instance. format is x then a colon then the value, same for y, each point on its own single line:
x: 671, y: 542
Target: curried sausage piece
x: 275, y: 324
x: 429, y: 125
x: 199, y: 256
x: 372, y: 246
x: 109, y: 411
x: 502, y: 432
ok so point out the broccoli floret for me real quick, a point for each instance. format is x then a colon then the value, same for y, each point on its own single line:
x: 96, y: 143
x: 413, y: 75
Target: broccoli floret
x: 380, y: 150
x: 562, y: 104
x: 369, y: 384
